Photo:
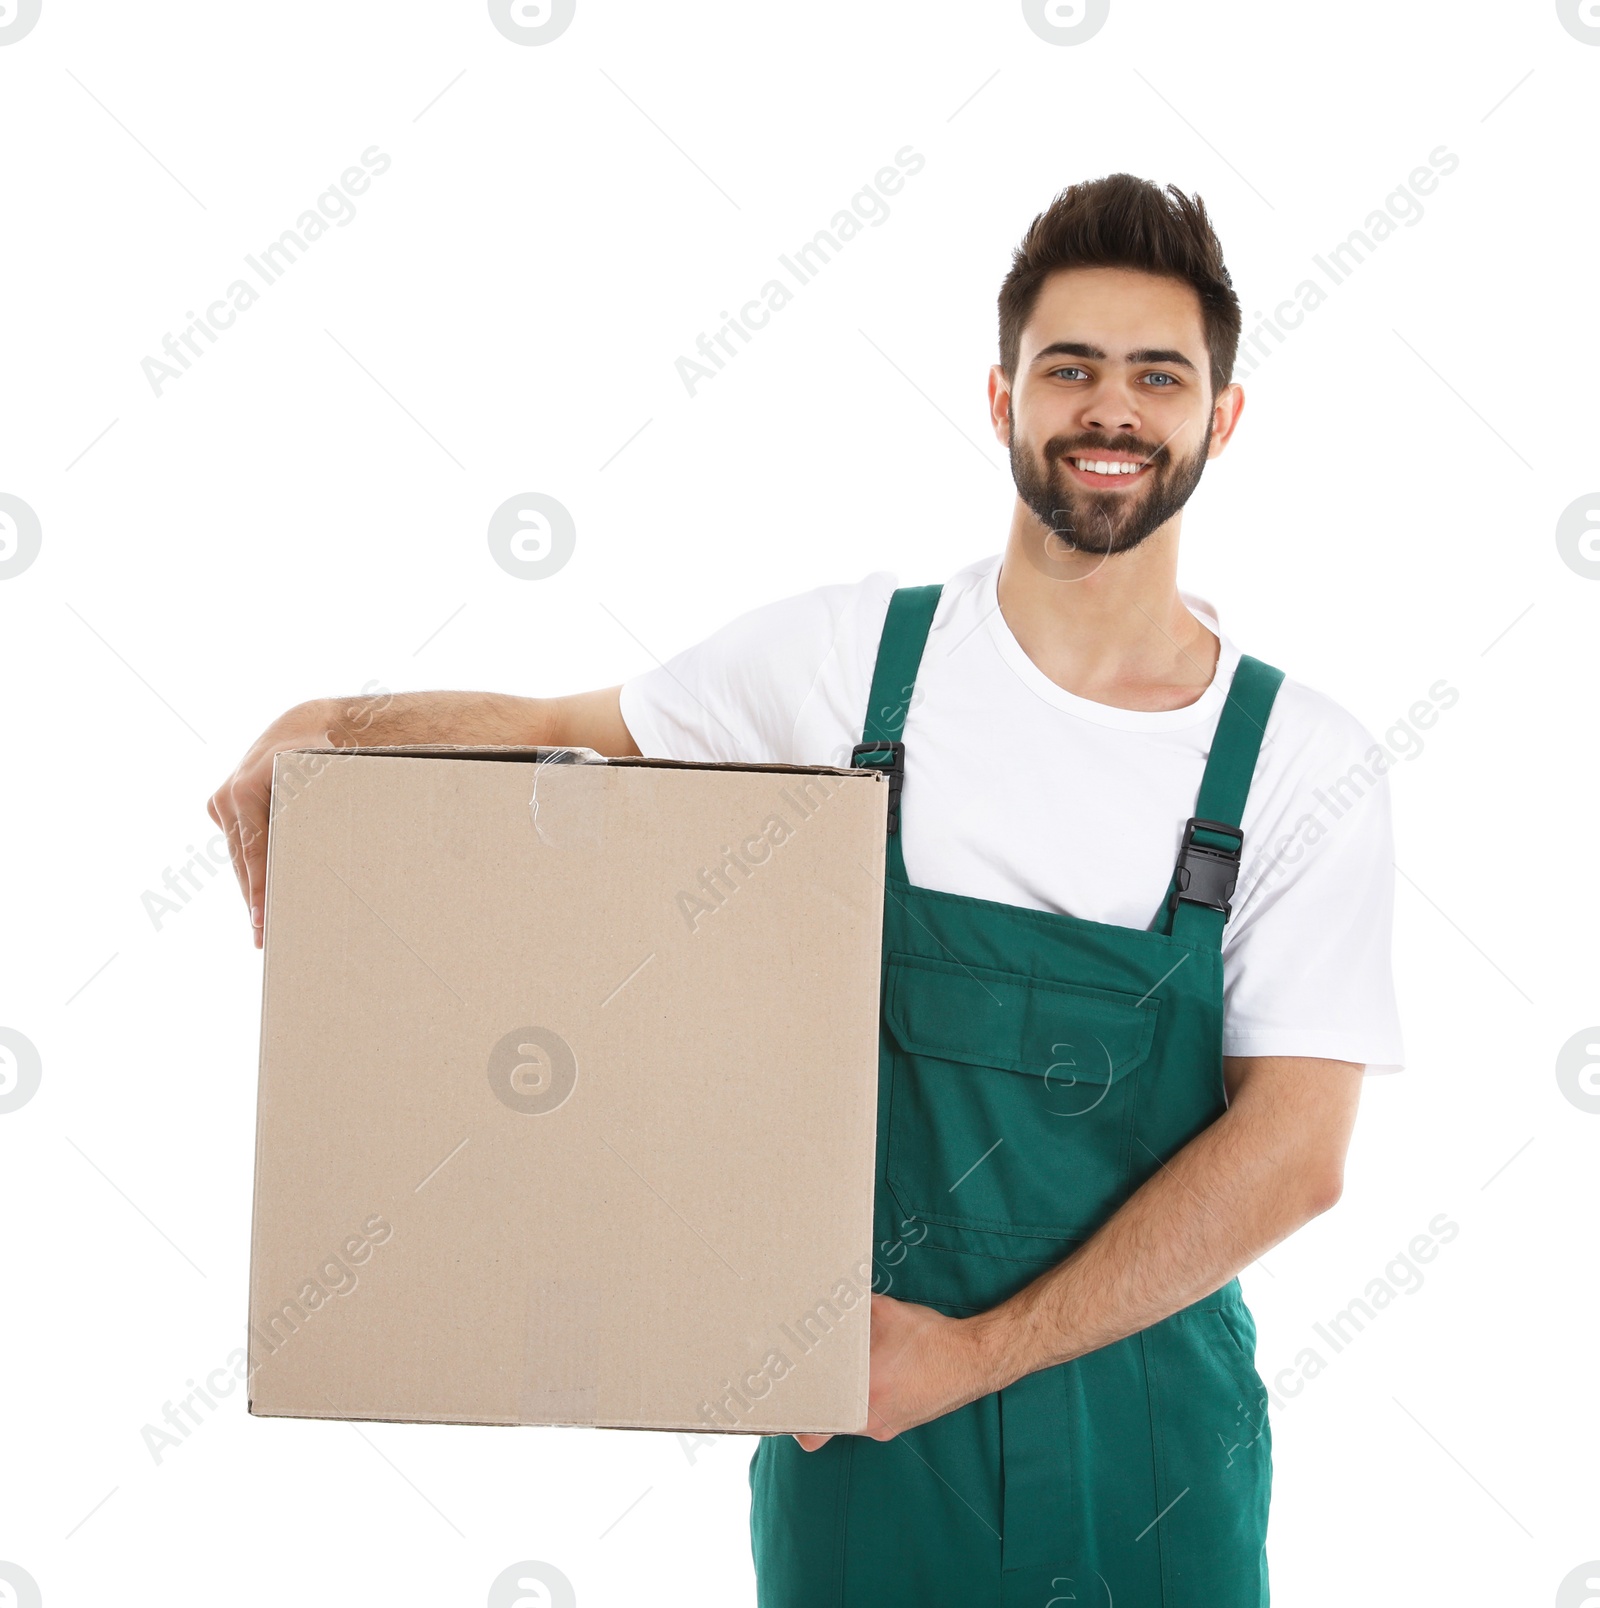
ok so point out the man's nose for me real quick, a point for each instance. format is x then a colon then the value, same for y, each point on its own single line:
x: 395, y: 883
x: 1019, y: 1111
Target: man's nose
x: 1111, y: 410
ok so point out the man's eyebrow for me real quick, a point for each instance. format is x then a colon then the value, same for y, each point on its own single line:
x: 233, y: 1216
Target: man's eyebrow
x: 1067, y: 349
x: 1145, y: 354
x: 1160, y: 354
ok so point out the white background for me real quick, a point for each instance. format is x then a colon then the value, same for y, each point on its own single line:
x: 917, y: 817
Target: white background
x: 304, y: 513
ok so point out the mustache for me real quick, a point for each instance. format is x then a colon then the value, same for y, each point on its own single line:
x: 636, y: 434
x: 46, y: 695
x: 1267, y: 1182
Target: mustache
x: 1153, y: 455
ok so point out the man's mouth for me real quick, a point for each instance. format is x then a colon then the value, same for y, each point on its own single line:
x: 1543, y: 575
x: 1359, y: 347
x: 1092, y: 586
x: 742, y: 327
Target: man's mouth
x: 1107, y: 470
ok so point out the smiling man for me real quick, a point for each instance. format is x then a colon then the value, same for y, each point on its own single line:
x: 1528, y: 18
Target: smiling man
x: 1046, y: 478
x: 1128, y: 997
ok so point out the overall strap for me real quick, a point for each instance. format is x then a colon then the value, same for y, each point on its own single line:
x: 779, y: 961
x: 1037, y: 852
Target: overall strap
x: 905, y: 630
x: 1203, y: 881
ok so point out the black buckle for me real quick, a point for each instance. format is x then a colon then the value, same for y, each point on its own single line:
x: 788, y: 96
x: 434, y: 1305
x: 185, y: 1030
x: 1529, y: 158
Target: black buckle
x: 896, y: 768
x: 1207, y: 876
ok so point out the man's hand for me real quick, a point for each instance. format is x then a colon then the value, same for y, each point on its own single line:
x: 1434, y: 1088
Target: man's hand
x: 923, y: 1366
x: 1271, y: 1162
x: 243, y: 804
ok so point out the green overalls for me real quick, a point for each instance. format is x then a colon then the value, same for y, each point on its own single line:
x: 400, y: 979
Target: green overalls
x: 1035, y: 1069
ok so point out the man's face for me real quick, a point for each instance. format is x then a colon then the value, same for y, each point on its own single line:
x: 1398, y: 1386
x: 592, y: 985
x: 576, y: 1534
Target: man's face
x: 1112, y: 370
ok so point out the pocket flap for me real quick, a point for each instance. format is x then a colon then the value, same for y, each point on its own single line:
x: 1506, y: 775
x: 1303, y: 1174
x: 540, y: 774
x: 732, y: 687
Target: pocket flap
x: 1019, y: 1024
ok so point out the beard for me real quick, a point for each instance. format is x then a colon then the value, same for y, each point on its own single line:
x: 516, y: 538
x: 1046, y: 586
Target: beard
x: 1104, y: 522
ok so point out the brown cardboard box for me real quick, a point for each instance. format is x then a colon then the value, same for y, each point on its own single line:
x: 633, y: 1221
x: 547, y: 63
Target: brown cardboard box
x: 567, y: 1113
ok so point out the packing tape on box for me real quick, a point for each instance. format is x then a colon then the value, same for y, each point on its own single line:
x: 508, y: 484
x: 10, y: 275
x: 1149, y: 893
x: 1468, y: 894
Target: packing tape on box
x: 561, y: 1352
x: 567, y: 804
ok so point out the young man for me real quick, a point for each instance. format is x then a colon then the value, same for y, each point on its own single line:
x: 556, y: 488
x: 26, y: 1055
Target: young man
x: 1134, y: 966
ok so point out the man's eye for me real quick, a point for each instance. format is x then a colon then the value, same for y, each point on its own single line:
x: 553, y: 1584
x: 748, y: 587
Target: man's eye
x: 1073, y: 372
x: 1165, y: 379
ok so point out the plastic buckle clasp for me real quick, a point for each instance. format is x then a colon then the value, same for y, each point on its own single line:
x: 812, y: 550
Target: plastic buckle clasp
x: 896, y: 767
x: 1206, y: 875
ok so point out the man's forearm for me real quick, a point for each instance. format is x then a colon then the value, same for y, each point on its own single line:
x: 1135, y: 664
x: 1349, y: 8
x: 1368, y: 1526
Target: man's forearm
x: 1249, y: 1180
x: 578, y: 720
x: 383, y: 719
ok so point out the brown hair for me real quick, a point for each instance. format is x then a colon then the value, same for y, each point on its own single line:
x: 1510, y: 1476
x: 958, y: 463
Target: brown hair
x: 1124, y: 222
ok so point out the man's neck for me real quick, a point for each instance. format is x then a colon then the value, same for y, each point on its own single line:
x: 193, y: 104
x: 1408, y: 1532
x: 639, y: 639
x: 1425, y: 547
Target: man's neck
x: 1109, y: 628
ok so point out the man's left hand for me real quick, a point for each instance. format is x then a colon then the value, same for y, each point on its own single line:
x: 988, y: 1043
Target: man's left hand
x: 923, y: 1366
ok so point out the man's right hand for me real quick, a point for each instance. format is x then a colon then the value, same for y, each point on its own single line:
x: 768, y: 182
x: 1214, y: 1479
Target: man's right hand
x: 242, y: 806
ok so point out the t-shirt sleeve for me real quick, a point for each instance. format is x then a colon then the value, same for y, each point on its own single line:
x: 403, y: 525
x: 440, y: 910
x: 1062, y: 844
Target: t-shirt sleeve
x: 781, y: 684
x: 1308, y: 960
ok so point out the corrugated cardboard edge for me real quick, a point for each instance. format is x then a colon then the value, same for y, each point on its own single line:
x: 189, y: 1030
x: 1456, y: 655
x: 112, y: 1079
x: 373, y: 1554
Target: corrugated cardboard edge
x: 579, y: 756
x: 261, y: 1102
x: 665, y: 1426
x: 582, y: 756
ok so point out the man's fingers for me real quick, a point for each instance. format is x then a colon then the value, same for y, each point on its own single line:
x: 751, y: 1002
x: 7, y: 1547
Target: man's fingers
x: 215, y: 812
x: 241, y: 812
x: 811, y: 1442
x: 242, y: 806
x: 252, y: 832
x: 220, y: 808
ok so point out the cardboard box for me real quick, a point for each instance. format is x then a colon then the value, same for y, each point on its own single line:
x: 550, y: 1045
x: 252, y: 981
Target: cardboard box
x: 568, y: 1091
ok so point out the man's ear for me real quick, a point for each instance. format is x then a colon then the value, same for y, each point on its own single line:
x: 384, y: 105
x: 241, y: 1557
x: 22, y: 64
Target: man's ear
x: 1000, y: 405
x: 1225, y: 413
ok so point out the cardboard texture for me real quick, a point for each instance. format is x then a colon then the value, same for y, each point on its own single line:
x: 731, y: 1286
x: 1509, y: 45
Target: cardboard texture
x: 567, y: 1113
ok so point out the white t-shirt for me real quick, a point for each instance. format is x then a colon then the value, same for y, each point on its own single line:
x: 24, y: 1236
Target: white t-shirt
x: 1019, y: 791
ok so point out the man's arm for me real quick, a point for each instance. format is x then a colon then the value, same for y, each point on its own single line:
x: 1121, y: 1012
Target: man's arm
x: 242, y: 806
x: 1271, y: 1162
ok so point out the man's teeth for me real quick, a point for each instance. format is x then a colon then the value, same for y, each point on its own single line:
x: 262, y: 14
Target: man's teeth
x: 1099, y: 466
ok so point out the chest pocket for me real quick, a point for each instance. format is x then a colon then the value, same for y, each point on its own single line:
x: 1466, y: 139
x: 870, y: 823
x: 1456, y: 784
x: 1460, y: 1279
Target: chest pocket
x: 1011, y: 1107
